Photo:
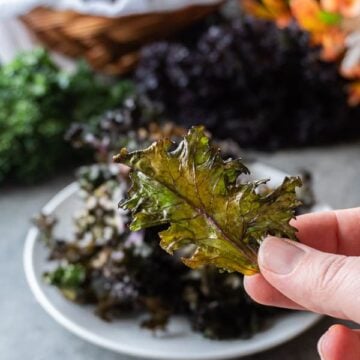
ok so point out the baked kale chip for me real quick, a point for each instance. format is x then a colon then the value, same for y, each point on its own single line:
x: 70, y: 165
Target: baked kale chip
x: 198, y: 194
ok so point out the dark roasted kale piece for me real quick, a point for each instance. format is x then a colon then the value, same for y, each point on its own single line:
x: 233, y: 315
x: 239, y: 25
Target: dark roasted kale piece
x: 190, y: 187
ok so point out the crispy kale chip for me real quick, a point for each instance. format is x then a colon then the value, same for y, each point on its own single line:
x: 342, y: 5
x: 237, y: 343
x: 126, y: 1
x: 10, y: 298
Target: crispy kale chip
x: 191, y: 188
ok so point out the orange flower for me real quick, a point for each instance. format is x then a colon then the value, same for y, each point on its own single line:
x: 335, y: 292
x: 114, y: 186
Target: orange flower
x: 347, y: 8
x: 276, y: 10
x: 324, y: 26
x: 308, y: 15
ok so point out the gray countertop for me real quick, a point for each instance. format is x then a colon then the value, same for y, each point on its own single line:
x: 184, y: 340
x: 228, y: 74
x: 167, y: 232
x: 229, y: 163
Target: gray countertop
x: 27, y: 332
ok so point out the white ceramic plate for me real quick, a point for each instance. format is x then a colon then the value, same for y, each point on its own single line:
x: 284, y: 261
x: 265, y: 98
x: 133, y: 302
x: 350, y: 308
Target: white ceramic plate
x: 125, y: 335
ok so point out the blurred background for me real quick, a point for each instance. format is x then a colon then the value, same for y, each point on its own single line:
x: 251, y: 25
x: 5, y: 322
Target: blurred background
x: 273, y: 81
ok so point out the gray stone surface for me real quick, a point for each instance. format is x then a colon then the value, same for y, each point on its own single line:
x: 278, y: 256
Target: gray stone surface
x: 27, y: 332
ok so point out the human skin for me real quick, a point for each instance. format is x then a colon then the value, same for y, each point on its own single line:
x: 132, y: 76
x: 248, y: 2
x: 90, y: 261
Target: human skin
x: 320, y: 274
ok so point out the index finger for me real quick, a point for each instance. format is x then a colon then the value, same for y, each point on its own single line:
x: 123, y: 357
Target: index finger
x: 336, y: 232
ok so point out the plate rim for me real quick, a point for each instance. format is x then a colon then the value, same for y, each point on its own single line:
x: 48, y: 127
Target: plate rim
x: 35, y: 287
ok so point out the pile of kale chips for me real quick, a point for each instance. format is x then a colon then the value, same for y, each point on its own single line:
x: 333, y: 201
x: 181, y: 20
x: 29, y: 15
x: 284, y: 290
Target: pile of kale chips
x: 122, y: 272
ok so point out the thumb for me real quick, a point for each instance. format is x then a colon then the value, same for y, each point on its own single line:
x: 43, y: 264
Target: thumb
x: 321, y: 282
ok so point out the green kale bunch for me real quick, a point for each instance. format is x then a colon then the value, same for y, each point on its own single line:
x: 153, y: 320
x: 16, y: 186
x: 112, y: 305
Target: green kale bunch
x: 38, y: 101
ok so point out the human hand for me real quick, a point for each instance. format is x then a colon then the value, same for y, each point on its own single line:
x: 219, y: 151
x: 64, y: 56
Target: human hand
x: 320, y: 274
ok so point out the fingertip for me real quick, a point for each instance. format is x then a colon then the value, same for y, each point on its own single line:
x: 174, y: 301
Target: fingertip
x: 264, y: 293
x: 259, y: 289
x: 339, y: 343
x: 252, y: 284
x: 312, y: 228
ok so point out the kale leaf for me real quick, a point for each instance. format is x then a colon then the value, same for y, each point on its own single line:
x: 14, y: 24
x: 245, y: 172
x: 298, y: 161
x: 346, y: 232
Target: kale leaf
x: 191, y: 188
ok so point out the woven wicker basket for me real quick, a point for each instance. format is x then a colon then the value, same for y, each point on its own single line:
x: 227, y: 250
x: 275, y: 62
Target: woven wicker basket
x: 108, y: 44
